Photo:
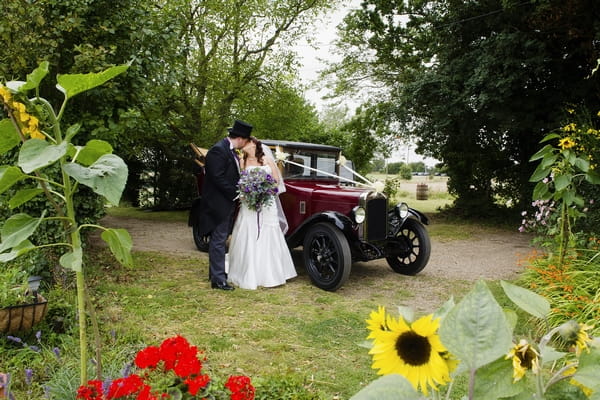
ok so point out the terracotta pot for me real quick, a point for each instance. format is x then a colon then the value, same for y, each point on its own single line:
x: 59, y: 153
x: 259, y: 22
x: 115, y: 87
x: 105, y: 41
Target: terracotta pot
x: 22, y: 317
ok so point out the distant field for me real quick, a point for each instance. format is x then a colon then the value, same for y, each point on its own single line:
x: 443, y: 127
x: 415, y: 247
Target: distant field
x: 437, y: 191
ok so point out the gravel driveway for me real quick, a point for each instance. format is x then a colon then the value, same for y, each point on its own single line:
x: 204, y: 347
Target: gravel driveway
x: 452, y: 266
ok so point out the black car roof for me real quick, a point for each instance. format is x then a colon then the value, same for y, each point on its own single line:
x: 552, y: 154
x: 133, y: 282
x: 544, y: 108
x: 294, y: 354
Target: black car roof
x: 300, y: 145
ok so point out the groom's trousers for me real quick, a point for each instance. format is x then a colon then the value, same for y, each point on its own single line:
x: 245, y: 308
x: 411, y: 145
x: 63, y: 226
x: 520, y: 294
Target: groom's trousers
x: 217, y: 248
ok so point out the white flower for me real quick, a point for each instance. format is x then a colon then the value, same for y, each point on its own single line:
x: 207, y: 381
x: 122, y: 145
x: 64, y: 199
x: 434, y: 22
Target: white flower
x: 280, y: 155
x: 342, y: 160
x: 378, y: 186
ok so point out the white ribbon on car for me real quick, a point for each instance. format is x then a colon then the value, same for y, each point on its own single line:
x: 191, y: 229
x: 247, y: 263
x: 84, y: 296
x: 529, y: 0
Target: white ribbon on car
x: 378, y: 186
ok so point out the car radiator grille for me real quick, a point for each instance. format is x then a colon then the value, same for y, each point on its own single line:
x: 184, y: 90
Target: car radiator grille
x: 376, y: 219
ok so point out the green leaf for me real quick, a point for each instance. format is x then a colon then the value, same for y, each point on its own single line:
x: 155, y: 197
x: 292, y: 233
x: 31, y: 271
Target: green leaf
x: 540, y: 173
x: 9, y: 138
x: 72, y: 131
x: 582, y: 164
x: 17, y: 229
x: 495, y: 380
x: 550, y: 136
x: 107, y: 176
x: 592, y: 178
x: 541, y: 191
x: 23, y: 247
x: 388, y: 387
x: 476, y: 330
x: 444, y: 309
x: 23, y: 196
x: 568, y: 196
x: 72, y: 260
x: 36, y: 154
x: 9, y: 175
x: 408, y: 313
x: 562, y: 181
x: 73, y: 84
x: 35, y: 77
x: 527, y: 300
x: 548, y: 161
x: 550, y: 355
x: 588, y: 372
x: 92, y: 151
x: 542, y: 152
x: 120, y: 244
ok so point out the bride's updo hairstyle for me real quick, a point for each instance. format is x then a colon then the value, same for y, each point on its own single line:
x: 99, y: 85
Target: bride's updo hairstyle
x: 258, y: 150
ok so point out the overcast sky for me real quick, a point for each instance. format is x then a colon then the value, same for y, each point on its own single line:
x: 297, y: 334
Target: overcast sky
x: 311, y: 59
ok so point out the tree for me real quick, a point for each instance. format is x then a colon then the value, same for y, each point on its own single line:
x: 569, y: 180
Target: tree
x: 478, y: 83
x: 229, y: 60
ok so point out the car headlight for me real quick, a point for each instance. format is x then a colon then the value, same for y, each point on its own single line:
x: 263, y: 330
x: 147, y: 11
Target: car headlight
x: 359, y: 214
x: 402, y: 210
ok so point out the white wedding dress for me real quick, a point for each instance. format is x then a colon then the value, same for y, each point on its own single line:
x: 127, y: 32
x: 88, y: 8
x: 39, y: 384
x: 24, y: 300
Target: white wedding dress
x: 259, y: 258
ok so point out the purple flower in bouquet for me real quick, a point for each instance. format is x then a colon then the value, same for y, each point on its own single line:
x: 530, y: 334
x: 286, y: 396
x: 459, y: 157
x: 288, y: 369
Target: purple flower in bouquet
x: 256, y: 188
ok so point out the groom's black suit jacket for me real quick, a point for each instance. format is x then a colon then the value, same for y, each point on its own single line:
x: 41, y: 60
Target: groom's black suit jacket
x: 220, y: 186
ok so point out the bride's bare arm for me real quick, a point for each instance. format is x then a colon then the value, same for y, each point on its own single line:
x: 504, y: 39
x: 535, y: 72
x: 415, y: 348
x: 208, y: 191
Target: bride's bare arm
x: 276, y: 173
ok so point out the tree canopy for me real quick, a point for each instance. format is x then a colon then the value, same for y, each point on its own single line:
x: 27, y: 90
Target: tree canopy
x: 478, y: 83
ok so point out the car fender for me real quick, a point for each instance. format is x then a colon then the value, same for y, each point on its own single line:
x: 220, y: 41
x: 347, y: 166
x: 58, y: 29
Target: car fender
x: 340, y: 221
x: 419, y: 216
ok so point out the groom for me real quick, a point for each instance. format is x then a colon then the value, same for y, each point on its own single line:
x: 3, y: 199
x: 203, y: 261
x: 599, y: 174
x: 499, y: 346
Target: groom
x: 218, y: 198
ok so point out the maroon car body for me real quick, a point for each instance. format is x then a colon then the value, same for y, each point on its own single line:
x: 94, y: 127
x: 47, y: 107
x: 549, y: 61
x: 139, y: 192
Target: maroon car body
x: 337, y: 221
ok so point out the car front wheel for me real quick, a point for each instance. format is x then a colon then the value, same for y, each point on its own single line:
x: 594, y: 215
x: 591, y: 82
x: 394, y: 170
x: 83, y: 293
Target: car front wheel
x: 327, y: 256
x: 411, y: 249
x: 201, y: 241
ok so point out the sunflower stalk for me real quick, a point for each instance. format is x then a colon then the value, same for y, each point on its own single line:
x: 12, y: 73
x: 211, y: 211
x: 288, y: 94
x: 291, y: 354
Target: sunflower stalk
x: 102, y: 171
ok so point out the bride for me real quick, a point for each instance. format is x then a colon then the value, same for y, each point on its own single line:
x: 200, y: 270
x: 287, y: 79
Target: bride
x: 259, y: 259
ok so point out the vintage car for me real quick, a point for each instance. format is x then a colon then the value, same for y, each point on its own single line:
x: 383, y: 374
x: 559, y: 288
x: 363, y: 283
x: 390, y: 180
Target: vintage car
x: 336, y: 220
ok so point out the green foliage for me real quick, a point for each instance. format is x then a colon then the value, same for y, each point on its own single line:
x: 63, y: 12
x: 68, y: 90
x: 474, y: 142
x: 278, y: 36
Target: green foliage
x: 42, y: 143
x: 285, y: 387
x: 457, y: 76
x: 562, y: 169
x: 405, y: 172
x: 572, y: 288
x: 13, y: 286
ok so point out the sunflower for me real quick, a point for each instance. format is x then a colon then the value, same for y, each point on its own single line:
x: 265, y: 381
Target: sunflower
x: 575, y: 334
x: 377, y: 322
x: 414, y: 351
x: 524, y: 357
x: 583, y: 339
x: 566, y: 143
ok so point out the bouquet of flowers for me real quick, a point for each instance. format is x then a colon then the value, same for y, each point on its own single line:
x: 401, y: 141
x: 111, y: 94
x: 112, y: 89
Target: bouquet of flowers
x: 256, y: 188
x: 172, y: 370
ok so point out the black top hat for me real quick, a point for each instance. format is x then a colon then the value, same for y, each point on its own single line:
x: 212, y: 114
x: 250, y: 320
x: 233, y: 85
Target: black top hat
x: 240, y: 129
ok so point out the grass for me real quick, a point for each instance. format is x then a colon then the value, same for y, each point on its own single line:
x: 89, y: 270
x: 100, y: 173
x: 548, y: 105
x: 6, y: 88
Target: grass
x: 297, y: 332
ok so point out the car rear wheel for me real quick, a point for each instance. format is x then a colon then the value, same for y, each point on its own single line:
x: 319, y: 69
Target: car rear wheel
x: 411, y: 250
x: 201, y: 241
x: 327, y: 256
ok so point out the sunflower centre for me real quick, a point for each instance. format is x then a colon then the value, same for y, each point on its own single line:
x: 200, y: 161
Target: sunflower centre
x: 413, y: 348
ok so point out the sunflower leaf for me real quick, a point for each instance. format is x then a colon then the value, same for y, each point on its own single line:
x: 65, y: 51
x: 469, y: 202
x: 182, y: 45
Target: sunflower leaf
x: 527, y: 300
x: 388, y: 387
x: 495, y: 381
x: 476, y: 330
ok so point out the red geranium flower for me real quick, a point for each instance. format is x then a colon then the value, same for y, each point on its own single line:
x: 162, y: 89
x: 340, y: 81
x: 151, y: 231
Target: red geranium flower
x: 241, y: 388
x: 148, y: 357
x: 123, y: 387
x: 92, y: 391
x: 197, y: 383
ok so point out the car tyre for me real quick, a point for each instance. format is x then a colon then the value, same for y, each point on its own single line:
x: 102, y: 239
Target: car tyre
x: 201, y: 241
x: 327, y: 256
x: 416, y: 246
